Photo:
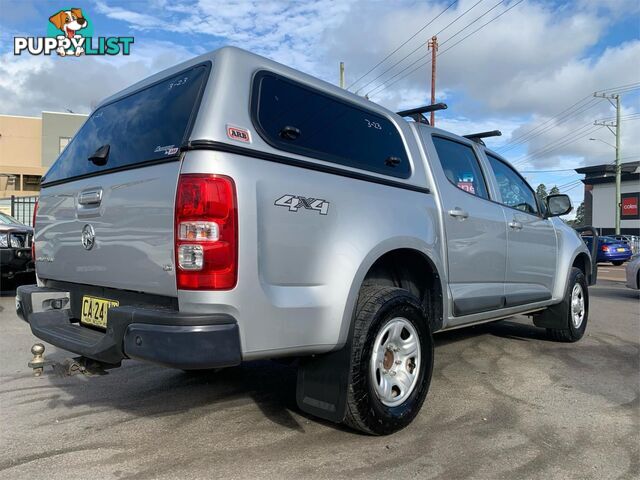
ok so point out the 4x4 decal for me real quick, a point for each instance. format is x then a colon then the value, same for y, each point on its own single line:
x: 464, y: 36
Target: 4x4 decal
x: 294, y: 202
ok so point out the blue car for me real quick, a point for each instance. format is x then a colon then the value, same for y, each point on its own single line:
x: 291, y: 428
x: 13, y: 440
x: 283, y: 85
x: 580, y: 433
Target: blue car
x: 611, y: 249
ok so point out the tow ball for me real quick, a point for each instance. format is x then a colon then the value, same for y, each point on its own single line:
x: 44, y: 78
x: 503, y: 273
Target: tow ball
x: 38, y: 362
x: 65, y: 368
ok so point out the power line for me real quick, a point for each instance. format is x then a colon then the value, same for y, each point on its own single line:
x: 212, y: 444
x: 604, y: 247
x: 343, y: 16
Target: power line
x: 552, y: 147
x: 424, y: 56
x: 468, y: 25
x: 420, y: 46
x: 546, y: 126
x: 575, y: 131
x: 628, y: 86
x: 550, y: 171
x: 558, y: 118
x: 575, y: 186
x: 572, y: 182
x: 384, y: 87
x: 404, y: 43
x: 567, y: 113
x: 557, y: 144
x: 629, y: 116
x: 482, y: 26
x: 522, y: 139
x: 560, y: 170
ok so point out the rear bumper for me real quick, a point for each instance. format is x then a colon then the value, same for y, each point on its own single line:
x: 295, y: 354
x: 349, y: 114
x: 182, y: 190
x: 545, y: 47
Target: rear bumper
x: 160, y: 335
x: 615, y: 257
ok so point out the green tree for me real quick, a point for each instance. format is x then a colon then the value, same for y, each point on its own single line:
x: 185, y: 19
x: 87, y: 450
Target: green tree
x: 579, y: 220
x: 541, y: 191
x: 554, y: 190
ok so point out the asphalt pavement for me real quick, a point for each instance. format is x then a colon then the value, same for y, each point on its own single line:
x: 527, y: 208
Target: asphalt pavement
x: 505, y: 402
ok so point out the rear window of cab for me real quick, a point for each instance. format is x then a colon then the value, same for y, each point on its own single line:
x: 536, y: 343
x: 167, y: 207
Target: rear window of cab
x: 298, y: 119
x: 148, y: 125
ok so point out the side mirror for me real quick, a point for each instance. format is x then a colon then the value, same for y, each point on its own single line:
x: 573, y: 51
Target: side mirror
x: 557, y: 205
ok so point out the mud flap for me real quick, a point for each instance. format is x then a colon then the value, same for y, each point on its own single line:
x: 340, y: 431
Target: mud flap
x: 322, y: 384
x: 556, y: 317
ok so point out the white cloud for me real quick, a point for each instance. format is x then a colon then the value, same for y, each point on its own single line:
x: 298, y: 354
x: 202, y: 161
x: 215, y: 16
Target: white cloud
x: 514, y: 74
x: 31, y: 84
x: 288, y: 32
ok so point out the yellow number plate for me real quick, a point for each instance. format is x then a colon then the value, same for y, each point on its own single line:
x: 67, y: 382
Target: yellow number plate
x: 94, y: 310
x: 621, y: 249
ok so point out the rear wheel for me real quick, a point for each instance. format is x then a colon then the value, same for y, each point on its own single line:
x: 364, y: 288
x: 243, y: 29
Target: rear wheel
x: 391, y: 361
x: 576, y: 306
x: 617, y: 263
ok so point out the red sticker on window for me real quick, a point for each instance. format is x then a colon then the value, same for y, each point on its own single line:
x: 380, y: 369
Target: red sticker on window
x: 239, y: 134
x: 467, y: 187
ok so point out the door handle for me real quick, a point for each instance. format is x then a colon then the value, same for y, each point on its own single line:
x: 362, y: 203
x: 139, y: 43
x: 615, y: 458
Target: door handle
x: 90, y: 197
x: 458, y: 213
x: 514, y: 225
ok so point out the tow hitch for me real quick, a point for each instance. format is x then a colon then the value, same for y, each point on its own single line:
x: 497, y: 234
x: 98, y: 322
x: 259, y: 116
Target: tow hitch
x: 65, y: 368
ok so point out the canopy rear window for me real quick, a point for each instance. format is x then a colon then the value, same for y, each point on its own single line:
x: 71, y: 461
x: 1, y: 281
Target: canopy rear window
x: 298, y: 119
x: 146, y: 126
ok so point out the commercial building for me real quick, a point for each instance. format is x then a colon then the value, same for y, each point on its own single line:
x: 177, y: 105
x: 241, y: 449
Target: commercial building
x: 29, y: 145
x: 600, y: 198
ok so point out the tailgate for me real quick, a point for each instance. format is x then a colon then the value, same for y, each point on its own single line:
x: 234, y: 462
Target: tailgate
x: 106, y: 210
x: 132, y: 227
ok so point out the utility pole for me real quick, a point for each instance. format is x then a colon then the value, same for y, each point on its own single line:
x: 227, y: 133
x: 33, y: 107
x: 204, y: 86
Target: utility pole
x: 616, y: 133
x: 341, y: 74
x: 433, y: 46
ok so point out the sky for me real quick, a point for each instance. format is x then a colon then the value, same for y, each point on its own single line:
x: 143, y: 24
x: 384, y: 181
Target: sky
x: 526, y: 67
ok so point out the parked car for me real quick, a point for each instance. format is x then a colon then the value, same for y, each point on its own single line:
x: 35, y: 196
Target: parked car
x: 231, y: 209
x: 610, y: 249
x: 15, y: 248
x: 632, y: 240
x: 633, y: 272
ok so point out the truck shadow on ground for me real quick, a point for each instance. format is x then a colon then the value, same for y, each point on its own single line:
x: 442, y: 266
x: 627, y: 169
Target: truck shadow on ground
x: 144, y: 390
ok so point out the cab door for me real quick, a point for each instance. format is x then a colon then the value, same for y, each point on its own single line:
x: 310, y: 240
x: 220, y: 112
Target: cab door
x: 475, y: 228
x: 531, y: 239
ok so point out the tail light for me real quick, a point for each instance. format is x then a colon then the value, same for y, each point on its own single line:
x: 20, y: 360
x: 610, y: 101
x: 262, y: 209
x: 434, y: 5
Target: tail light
x: 604, y: 248
x: 206, y: 233
x: 33, y: 238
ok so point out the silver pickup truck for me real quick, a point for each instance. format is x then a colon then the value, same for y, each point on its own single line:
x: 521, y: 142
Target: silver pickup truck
x: 230, y: 209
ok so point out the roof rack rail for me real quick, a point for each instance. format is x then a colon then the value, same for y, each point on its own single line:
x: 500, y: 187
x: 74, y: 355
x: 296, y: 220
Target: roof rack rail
x: 477, y: 137
x: 417, y: 113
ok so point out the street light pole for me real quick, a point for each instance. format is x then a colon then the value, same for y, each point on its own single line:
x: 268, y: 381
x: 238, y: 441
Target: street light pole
x: 618, y: 166
x: 618, y: 170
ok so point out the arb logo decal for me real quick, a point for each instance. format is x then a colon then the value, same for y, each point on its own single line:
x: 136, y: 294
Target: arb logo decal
x: 239, y: 134
x: 294, y: 202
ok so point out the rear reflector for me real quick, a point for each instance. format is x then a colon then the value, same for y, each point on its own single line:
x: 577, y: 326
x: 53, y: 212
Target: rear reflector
x: 206, y: 233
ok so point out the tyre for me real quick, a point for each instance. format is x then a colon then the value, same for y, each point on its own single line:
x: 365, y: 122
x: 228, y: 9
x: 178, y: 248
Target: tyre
x: 391, y: 361
x: 617, y: 263
x: 575, y: 307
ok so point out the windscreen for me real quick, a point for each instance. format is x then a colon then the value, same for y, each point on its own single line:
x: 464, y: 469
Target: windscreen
x: 146, y: 126
x: 8, y: 220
